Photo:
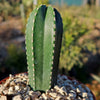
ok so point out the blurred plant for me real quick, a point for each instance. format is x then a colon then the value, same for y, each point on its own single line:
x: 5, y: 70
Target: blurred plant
x: 5, y: 9
x: 71, y: 57
x: 97, y: 78
x: 22, y: 13
x: 39, y: 2
x: 31, y: 7
x: 8, y: 8
x: 16, y: 60
x: 27, y: 3
x: 72, y: 47
x: 85, y: 11
x: 43, y: 2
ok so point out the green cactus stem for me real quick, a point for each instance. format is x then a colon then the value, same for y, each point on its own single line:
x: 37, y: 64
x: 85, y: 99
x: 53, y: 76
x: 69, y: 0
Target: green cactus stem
x: 43, y: 42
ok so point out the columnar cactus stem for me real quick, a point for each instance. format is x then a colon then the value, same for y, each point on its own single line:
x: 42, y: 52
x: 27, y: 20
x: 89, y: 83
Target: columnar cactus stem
x: 43, y: 42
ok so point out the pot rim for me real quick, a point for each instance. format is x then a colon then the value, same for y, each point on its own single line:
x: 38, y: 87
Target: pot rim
x: 70, y: 78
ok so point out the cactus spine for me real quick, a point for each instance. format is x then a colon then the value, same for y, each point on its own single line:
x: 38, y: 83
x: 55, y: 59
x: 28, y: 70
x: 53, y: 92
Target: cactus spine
x: 43, y: 42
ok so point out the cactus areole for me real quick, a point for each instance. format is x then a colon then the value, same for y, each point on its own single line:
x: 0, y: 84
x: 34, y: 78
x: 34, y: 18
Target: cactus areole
x: 43, y: 42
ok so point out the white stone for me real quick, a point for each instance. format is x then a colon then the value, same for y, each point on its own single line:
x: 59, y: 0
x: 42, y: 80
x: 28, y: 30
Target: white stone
x: 56, y: 87
x: 68, y: 98
x: 30, y: 92
x: 17, y: 97
x: 71, y: 94
x: 53, y: 94
x: 3, y: 98
x: 17, y: 87
x: 58, y: 98
x: 27, y: 98
x: 5, y: 92
x: 78, y: 90
x: 7, y: 83
x: 12, y: 83
x: 74, y: 93
x: 44, y: 96
x: 84, y: 94
x: 1, y: 88
x: 11, y: 89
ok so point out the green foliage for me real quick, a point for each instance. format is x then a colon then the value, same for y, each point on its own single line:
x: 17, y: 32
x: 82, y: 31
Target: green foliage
x: 71, y: 57
x: 7, y: 9
x: 27, y: 3
x: 43, y: 2
x: 85, y: 11
x: 16, y: 60
x: 72, y: 44
x: 43, y: 41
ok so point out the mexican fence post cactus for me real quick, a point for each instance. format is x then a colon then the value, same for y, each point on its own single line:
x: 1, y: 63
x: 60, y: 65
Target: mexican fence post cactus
x: 43, y: 42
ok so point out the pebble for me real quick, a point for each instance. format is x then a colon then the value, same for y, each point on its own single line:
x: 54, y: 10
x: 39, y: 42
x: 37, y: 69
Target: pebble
x: 78, y: 90
x: 17, y: 97
x: 44, y: 96
x: 84, y: 95
x: 17, y: 87
x: 54, y: 95
x: 58, y: 98
x: 5, y: 92
x: 27, y: 97
x: 3, y: 98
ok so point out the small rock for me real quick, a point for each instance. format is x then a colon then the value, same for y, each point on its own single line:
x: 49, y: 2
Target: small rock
x: 44, y: 96
x: 7, y: 83
x: 10, y: 90
x: 68, y: 98
x: 35, y: 95
x: 17, y: 97
x: 63, y: 91
x: 53, y: 94
x: 30, y: 93
x: 84, y: 94
x: 1, y: 88
x: 17, y: 87
x: 56, y: 87
x: 27, y: 98
x: 12, y: 83
x: 3, y: 98
x: 58, y: 98
x: 5, y: 92
x: 71, y: 94
x: 78, y: 90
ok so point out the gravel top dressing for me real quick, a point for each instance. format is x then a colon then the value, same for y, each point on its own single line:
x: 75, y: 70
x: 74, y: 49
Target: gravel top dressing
x: 17, y: 88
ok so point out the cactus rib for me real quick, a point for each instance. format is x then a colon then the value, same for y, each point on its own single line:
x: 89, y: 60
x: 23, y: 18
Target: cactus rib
x: 29, y: 47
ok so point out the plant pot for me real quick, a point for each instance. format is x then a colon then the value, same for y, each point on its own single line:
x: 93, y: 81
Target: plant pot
x: 10, y: 96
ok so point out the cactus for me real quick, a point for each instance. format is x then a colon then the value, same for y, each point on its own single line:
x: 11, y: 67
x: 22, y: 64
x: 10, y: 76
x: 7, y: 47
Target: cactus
x: 43, y: 42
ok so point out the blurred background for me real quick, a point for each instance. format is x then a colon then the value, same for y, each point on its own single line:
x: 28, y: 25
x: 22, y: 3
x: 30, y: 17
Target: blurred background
x: 80, y: 52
